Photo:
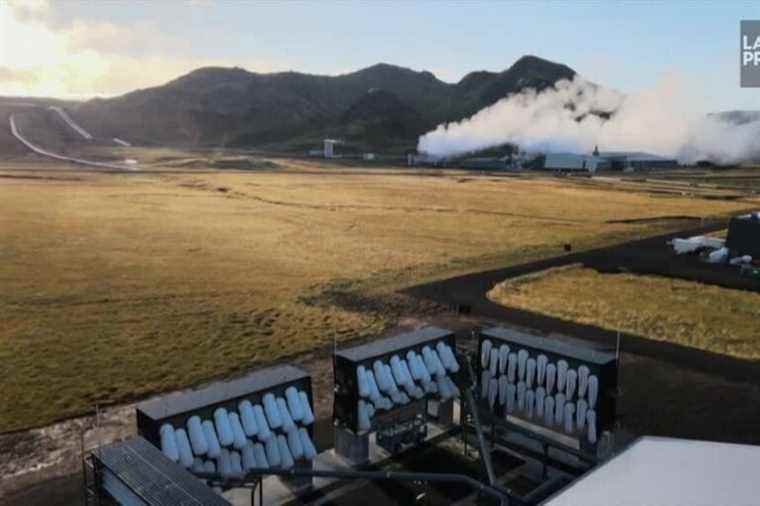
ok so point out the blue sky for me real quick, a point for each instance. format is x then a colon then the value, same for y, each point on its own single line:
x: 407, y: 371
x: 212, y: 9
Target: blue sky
x: 626, y: 45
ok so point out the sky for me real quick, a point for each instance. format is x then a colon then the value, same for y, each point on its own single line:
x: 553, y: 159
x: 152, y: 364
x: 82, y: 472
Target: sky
x: 81, y: 49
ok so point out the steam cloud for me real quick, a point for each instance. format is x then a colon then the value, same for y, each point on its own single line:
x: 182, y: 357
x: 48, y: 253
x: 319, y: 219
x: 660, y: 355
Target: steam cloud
x: 661, y: 120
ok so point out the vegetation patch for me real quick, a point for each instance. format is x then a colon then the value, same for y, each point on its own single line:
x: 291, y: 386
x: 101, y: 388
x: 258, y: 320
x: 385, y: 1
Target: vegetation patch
x: 117, y: 286
x: 706, y: 317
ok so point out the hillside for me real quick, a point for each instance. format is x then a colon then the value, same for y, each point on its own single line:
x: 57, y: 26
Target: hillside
x: 234, y: 107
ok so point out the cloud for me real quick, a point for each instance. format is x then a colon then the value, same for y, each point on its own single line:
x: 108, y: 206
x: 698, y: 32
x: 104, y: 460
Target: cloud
x: 41, y: 56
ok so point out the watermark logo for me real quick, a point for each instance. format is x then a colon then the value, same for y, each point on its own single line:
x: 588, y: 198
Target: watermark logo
x: 750, y: 53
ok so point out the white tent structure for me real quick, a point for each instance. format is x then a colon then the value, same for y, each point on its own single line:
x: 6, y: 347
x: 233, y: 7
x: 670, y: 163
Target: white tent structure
x: 672, y: 472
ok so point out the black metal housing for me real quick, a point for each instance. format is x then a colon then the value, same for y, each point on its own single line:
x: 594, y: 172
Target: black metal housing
x: 346, y: 361
x: 744, y: 236
x: 136, y: 468
x: 178, y: 407
x: 602, y: 364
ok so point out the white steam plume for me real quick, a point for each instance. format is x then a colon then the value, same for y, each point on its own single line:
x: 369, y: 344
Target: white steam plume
x: 661, y: 120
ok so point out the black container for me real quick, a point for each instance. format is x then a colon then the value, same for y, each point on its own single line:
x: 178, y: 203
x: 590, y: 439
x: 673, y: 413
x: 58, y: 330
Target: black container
x: 744, y: 236
x: 345, y: 363
x: 178, y: 407
x: 602, y: 364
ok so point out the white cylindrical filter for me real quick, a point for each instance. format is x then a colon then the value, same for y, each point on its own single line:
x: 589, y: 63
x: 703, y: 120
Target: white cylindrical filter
x: 413, y: 368
x: 410, y: 386
x: 503, y: 358
x: 530, y: 402
x: 559, y: 408
x: 294, y: 402
x: 551, y: 376
x: 169, y: 443
x: 223, y: 463
x: 272, y: 411
x: 522, y: 360
x: 261, y: 456
x: 209, y: 466
x: 591, y: 425
x: 362, y: 414
x: 389, y: 377
x: 183, y: 447
x: 438, y: 363
x: 583, y: 373
x: 549, y: 410
x: 238, y: 436
x: 503, y: 389
x: 287, y: 421
x: 431, y: 387
x: 223, y: 429
x: 286, y: 458
x: 361, y: 380
x: 273, y: 451
x: 197, y: 439
x: 580, y: 419
x: 374, y: 391
x: 569, y: 416
x: 417, y: 392
x: 209, y: 433
x: 247, y: 418
x: 521, y: 396
x: 541, y: 362
x: 308, y: 414
x: 398, y: 372
x: 493, y: 392
x: 593, y: 391
x: 236, y: 463
x: 512, y: 368
x: 370, y: 409
x: 430, y: 364
x: 570, y: 384
x: 294, y: 442
x: 493, y: 362
x: 452, y: 386
x: 249, y: 459
x: 485, y: 353
x: 540, y: 396
x: 264, y: 433
x: 511, y: 397
x: 485, y: 379
x: 396, y: 397
x: 309, y: 451
x: 419, y: 365
x: 530, y: 372
x: 380, y: 379
x: 447, y: 357
x: 561, y: 374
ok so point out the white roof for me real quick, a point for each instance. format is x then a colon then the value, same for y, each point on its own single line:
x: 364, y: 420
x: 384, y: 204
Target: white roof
x: 670, y: 472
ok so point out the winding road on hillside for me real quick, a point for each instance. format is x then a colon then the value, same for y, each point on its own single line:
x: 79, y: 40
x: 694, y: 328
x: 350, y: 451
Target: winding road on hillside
x: 40, y: 151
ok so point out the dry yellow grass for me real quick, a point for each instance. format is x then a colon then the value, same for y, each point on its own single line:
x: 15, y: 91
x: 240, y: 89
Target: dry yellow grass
x: 692, y: 314
x: 115, y: 286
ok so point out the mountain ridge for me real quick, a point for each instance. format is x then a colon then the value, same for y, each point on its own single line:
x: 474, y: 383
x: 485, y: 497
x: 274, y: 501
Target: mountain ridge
x: 232, y: 106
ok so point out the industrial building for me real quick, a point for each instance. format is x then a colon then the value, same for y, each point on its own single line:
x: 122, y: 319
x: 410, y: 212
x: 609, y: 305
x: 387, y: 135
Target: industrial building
x: 626, y: 161
x: 572, y: 162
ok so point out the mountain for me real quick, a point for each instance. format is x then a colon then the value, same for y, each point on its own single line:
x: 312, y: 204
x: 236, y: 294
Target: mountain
x: 373, y: 106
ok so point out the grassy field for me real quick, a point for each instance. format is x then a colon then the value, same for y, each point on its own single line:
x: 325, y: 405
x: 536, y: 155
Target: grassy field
x: 692, y: 314
x: 114, y: 286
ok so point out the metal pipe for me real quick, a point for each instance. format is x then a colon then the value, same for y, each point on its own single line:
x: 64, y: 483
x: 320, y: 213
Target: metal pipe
x: 241, y: 479
x: 485, y: 455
